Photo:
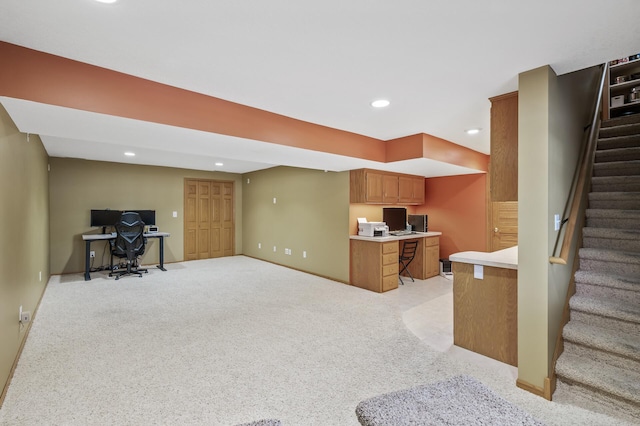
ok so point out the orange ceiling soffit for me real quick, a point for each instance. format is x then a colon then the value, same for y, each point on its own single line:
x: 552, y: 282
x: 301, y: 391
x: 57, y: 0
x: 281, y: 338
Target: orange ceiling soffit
x: 423, y: 145
x: 41, y: 77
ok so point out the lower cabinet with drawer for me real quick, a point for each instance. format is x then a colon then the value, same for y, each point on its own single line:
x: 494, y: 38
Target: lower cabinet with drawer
x: 426, y: 263
x: 374, y: 265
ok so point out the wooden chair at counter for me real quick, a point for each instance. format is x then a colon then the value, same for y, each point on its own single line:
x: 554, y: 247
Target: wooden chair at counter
x: 406, y: 257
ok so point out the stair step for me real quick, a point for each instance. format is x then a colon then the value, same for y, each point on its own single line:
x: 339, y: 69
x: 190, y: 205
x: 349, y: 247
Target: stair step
x: 611, y: 238
x: 615, y: 184
x: 614, y: 200
x: 617, y: 168
x: 610, y: 261
x: 621, y: 130
x: 612, y: 309
x: 611, y: 293
x: 613, y: 218
x: 625, y: 414
x: 595, y: 375
x: 618, y: 142
x: 609, y: 281
x: 620, y: 121
x: 606, y: 322
x: 612, y: 286
x: 617, y: 154
x: 603, y: 339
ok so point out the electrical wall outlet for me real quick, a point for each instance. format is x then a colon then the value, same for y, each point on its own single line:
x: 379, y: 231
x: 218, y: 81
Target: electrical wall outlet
x: 25, y: 317
x: 287, y: 251
x: 92, y: 253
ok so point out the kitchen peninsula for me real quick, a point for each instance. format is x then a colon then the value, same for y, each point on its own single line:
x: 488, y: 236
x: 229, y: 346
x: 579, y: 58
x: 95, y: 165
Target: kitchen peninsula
x: 374, y: 260
x: 485, y: 303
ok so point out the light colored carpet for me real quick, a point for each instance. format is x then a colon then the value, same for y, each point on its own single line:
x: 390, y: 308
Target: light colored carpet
x: 224, y: 342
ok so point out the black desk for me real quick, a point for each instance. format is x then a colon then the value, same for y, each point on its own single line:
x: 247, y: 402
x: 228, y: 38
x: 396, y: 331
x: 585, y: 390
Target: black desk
x: 89, y: 238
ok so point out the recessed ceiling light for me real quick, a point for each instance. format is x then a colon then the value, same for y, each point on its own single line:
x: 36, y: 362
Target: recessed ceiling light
x: 473, y: 131
x: 130, y: 154
x: 380, y: 103
x: 106, y: 1
x: 219, y: 164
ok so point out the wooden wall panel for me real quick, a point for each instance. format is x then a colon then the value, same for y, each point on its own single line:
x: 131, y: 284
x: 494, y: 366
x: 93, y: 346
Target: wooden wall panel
x: 504, y: 147
x: 485, y: 312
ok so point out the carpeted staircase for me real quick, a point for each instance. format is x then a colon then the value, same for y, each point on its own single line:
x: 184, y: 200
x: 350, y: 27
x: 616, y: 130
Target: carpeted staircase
x: 600, y: 366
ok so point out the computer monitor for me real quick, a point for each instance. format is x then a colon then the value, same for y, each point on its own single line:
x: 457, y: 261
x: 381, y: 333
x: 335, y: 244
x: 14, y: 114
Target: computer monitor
x: 104, y: 218
x: 147, y: 216
x: 395, y: 218
x: 108, y: 217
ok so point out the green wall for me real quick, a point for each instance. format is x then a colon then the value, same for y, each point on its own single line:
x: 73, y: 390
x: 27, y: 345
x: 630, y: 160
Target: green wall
x: 311, y: 214
x: 552, y: 114
x: 77, y: 186
x: 24, y: 226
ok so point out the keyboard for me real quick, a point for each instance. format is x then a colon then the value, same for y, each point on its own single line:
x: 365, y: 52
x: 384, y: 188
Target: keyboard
x: 400, y: 233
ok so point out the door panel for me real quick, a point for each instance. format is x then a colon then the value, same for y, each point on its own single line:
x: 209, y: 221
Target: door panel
x: 227, y: 220
x: 204, y: 220
x: 216, y: 219
x: 190, y: 220
x: 504, y: 218
x: 209, y: 227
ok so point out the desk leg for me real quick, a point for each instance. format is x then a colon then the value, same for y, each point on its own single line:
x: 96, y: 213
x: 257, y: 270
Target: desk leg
x: 87, y: 245
x: 161, y: 265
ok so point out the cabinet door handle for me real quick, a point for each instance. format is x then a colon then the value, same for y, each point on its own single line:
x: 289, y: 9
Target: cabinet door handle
x: 495, y: 230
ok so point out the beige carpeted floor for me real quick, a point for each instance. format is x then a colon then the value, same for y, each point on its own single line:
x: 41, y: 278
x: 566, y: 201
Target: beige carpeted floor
x: 227, y: 341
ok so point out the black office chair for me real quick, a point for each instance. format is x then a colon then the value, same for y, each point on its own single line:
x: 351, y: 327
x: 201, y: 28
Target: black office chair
x: 406, y: 257
x: 129, y: 244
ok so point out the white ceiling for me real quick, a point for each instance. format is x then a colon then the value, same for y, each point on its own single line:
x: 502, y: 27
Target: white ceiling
x: 322, y: 62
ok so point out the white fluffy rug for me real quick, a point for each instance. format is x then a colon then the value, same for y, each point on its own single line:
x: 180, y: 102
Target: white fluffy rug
x: 460, y: 400
x: 227, y: 341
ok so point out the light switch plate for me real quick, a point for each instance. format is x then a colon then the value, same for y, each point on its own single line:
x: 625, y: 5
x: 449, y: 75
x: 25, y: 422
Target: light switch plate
x: 478, y: 272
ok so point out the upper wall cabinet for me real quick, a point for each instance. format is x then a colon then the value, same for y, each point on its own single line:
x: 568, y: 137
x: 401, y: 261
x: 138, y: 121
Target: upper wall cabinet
x: 410, y: 189
x: 378, y: 187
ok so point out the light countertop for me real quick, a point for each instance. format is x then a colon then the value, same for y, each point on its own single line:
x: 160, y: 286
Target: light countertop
x: 396, y: 237
x: 507, y: 258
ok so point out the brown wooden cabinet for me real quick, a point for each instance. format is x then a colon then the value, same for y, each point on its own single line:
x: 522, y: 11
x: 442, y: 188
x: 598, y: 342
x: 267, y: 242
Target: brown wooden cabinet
x: 390, y: 185
x: 374, y: 265
x: 426, y: 263
x: 378, y: 187
x: 432, y: 256
x: 374, y: 187
x: 410, y: 189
